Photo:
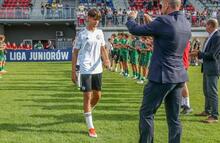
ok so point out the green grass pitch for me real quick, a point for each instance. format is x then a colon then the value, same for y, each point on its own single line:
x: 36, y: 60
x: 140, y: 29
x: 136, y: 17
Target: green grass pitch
x: 39, y: 104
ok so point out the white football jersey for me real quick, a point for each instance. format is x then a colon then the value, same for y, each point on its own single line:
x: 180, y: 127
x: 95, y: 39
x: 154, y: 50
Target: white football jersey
x: 89, y: 43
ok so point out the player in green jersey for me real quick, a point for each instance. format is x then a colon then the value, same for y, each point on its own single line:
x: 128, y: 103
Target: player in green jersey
x: 133, y: 55
x: 2, y: 55
x: 120, y: 47
x: 115, y: 52
x: 125, y: 54
x: 149, y: 43
x: 142, y: 61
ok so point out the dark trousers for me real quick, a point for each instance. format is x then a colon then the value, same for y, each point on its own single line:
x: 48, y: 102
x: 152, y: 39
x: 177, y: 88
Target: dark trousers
x: 210, y: 90
x: 154, y: 94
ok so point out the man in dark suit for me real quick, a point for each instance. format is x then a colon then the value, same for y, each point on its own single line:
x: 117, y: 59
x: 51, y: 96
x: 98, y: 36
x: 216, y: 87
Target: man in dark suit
x: 210, y: 56
x: 167, y: 75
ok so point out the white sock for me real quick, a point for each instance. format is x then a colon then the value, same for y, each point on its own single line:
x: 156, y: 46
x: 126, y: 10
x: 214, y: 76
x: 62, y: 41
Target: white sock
x: 88, y: 117
x: 187, y: 101
x: 183, y: 101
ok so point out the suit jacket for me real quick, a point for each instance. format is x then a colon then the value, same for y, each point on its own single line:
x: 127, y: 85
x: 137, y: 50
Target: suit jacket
x: 171, y: 33
x: 211, y: 56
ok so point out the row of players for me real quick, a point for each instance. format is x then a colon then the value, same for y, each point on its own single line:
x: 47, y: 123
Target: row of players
x: 2, y: 55
x: 138, y: 51
x: 125, y: 48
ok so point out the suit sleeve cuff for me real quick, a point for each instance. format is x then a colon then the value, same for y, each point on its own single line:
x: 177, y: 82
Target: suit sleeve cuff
x: 130, y: 18
x: 200, y: 55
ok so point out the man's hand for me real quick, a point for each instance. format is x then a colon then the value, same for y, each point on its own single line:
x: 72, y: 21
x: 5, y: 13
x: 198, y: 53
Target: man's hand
x: 74, y: 61
x: 74, y: 80
x: 107, y: 64
x: 133, y: 14
x: 147, y: 18
x: 194, y: 53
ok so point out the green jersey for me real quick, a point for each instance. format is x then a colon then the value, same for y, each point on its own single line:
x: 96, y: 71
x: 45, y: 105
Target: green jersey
x: 123, y: 42
x: 2, y: 55
x: 145, y: 56
x: 1, y: 52
x: 116, y: 41
x: 134, y: 51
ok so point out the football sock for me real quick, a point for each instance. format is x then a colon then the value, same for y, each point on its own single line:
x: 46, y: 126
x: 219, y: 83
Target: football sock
x: 88, y: 117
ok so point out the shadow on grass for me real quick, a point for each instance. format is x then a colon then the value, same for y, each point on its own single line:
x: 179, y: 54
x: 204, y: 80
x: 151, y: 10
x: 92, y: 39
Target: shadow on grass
x: 100, y: 107
x: 31, y: 80
x: 75, y: 103
x: 29, y: 128
x: 79, y: 118
x: 75, y: 99
x: 45, y: 88
x: 64, y: 119
x: 62, y: 88
x: 79, y: 95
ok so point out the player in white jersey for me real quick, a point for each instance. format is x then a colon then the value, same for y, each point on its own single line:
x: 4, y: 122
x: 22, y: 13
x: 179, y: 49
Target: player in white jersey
x: 90, y: 49
x: 78, y: 78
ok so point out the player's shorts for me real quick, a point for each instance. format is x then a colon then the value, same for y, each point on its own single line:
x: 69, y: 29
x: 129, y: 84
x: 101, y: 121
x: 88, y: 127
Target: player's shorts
x: 125, y: 56
x: 143, y: 61
x: 120, y: 55
x: 134, y: 59
x: 2, y: 57
x: 112, y: 54
x: 91, y: 82
x: 115, y: 56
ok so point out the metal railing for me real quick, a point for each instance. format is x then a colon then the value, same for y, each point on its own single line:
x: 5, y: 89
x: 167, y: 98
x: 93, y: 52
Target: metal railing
x: 28, y: 13
x: 64, y: 44
x: 14, y: 13
x: 119, y: 21
x: 69, y: 13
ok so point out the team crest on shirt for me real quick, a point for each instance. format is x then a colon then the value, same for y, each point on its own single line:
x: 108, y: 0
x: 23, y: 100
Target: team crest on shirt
x: 98, y: 37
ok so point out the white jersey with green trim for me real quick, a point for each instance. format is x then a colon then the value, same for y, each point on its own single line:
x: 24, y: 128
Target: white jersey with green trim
x: 89, y: 44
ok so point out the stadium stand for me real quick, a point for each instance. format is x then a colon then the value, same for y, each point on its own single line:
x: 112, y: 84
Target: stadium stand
x: 97, y: 3
x: 211, y: 4
x: 69, y: 13
x: 16, y: 3
x: 195, y: 16
x: 15, y: 9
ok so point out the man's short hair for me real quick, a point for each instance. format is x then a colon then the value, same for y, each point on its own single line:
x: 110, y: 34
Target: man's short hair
x: 114, y: 35
x: 2, y: 38
x: 213, y: 22
x: 94, y: 13
x: 174, y: 3
x: 119, y: 34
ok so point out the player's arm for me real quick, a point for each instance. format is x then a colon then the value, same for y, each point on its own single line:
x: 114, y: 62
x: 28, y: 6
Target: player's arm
x: 146, y: 49
x: 129, y: 46
x: 118, y: 46
x: 132, y: 48
x: 74, y: 61
x: 115, y: 45
x: 125, y: 45
x: 105, y: 57
x: 2, y: 46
